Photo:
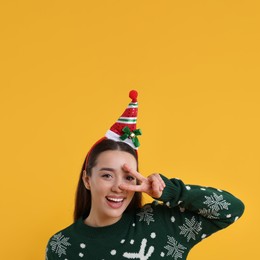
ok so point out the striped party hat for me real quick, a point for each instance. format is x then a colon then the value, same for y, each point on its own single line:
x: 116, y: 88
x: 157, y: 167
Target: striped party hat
x: 125, y: 127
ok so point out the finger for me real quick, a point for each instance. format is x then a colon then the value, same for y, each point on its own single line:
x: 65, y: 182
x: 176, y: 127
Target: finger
x: 131, y: 187
x: 162, y: 184
x: 155, y: 183
x: 161, y: 180
x: 156, y: 177
x: 156, y: 187
x: 135, y: 173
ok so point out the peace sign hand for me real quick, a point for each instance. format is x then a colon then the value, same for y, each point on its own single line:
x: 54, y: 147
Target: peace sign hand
x: 153, y: 185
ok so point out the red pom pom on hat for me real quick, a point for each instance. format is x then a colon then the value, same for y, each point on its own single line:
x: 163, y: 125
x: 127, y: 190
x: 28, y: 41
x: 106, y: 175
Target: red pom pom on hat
x: 133, y: 94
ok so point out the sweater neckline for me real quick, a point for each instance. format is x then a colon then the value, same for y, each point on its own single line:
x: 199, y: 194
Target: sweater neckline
x: 115, y: 229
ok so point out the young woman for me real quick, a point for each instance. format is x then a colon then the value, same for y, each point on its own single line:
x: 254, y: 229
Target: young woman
x: 111, y: 223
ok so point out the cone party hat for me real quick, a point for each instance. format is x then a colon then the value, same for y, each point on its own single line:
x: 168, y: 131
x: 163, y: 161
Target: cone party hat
x: 124, y: 129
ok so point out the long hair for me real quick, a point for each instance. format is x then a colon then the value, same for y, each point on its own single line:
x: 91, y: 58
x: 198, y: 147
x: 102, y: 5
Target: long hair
x: 83, y: 195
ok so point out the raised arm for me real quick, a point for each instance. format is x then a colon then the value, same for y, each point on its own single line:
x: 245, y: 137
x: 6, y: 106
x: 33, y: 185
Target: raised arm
x: 218, y: 206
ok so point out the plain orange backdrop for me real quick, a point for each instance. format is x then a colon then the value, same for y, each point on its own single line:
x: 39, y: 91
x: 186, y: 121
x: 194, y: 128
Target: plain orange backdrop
x: 66, y: 69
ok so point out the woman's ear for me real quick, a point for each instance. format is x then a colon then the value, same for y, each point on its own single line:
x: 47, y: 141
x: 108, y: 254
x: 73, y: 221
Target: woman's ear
x: 85, y: 179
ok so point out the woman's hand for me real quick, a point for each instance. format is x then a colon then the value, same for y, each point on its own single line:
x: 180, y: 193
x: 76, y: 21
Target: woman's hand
x: 153, y: 185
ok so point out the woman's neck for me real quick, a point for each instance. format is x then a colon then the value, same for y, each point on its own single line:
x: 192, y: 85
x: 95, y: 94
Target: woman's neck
x: 94, y: 221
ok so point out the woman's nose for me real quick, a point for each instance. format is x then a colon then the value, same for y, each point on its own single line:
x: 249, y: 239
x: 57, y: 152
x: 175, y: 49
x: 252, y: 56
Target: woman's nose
x: 116, y: 186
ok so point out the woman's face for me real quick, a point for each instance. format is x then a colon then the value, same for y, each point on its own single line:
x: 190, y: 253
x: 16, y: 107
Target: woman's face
x: 108, y: 201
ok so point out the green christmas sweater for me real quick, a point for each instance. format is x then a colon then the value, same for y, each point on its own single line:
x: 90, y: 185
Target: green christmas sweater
x: 159, y: 230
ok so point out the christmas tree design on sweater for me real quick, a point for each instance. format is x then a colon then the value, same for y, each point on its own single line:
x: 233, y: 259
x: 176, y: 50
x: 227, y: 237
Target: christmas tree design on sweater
x: 167, y: 229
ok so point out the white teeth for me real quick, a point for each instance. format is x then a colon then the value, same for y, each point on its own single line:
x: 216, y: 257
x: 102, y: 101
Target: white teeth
x: 115, y: 199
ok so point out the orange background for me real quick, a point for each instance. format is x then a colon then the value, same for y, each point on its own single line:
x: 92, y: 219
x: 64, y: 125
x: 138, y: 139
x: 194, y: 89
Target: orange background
x: 66, y: 69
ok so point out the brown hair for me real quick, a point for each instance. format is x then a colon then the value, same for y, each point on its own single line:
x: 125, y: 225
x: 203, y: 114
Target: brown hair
x: 83, y: 195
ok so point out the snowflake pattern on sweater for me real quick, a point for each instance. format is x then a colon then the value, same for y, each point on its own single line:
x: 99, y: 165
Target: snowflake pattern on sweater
x: 146, y: 214
x: 59, y: 244
x: 174, y: 248
x: 168, y: 230
x: 190, y: 228
x: 216, y: 202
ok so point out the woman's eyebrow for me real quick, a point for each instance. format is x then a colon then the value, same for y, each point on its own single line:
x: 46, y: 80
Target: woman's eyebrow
x: 107, y: 169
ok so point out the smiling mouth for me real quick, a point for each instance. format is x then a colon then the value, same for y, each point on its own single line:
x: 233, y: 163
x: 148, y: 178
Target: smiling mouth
x: 115, y: 200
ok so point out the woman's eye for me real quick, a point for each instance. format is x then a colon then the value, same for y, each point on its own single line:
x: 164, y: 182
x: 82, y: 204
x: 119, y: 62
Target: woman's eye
x: 107, y: 176
x: 130, y: 178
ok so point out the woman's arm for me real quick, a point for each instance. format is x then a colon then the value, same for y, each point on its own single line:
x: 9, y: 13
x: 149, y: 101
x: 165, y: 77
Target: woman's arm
x: 203, y: 210
x: 218, y: 206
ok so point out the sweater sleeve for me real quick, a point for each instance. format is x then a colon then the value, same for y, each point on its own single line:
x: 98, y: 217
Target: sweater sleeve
x: 216, y: 208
